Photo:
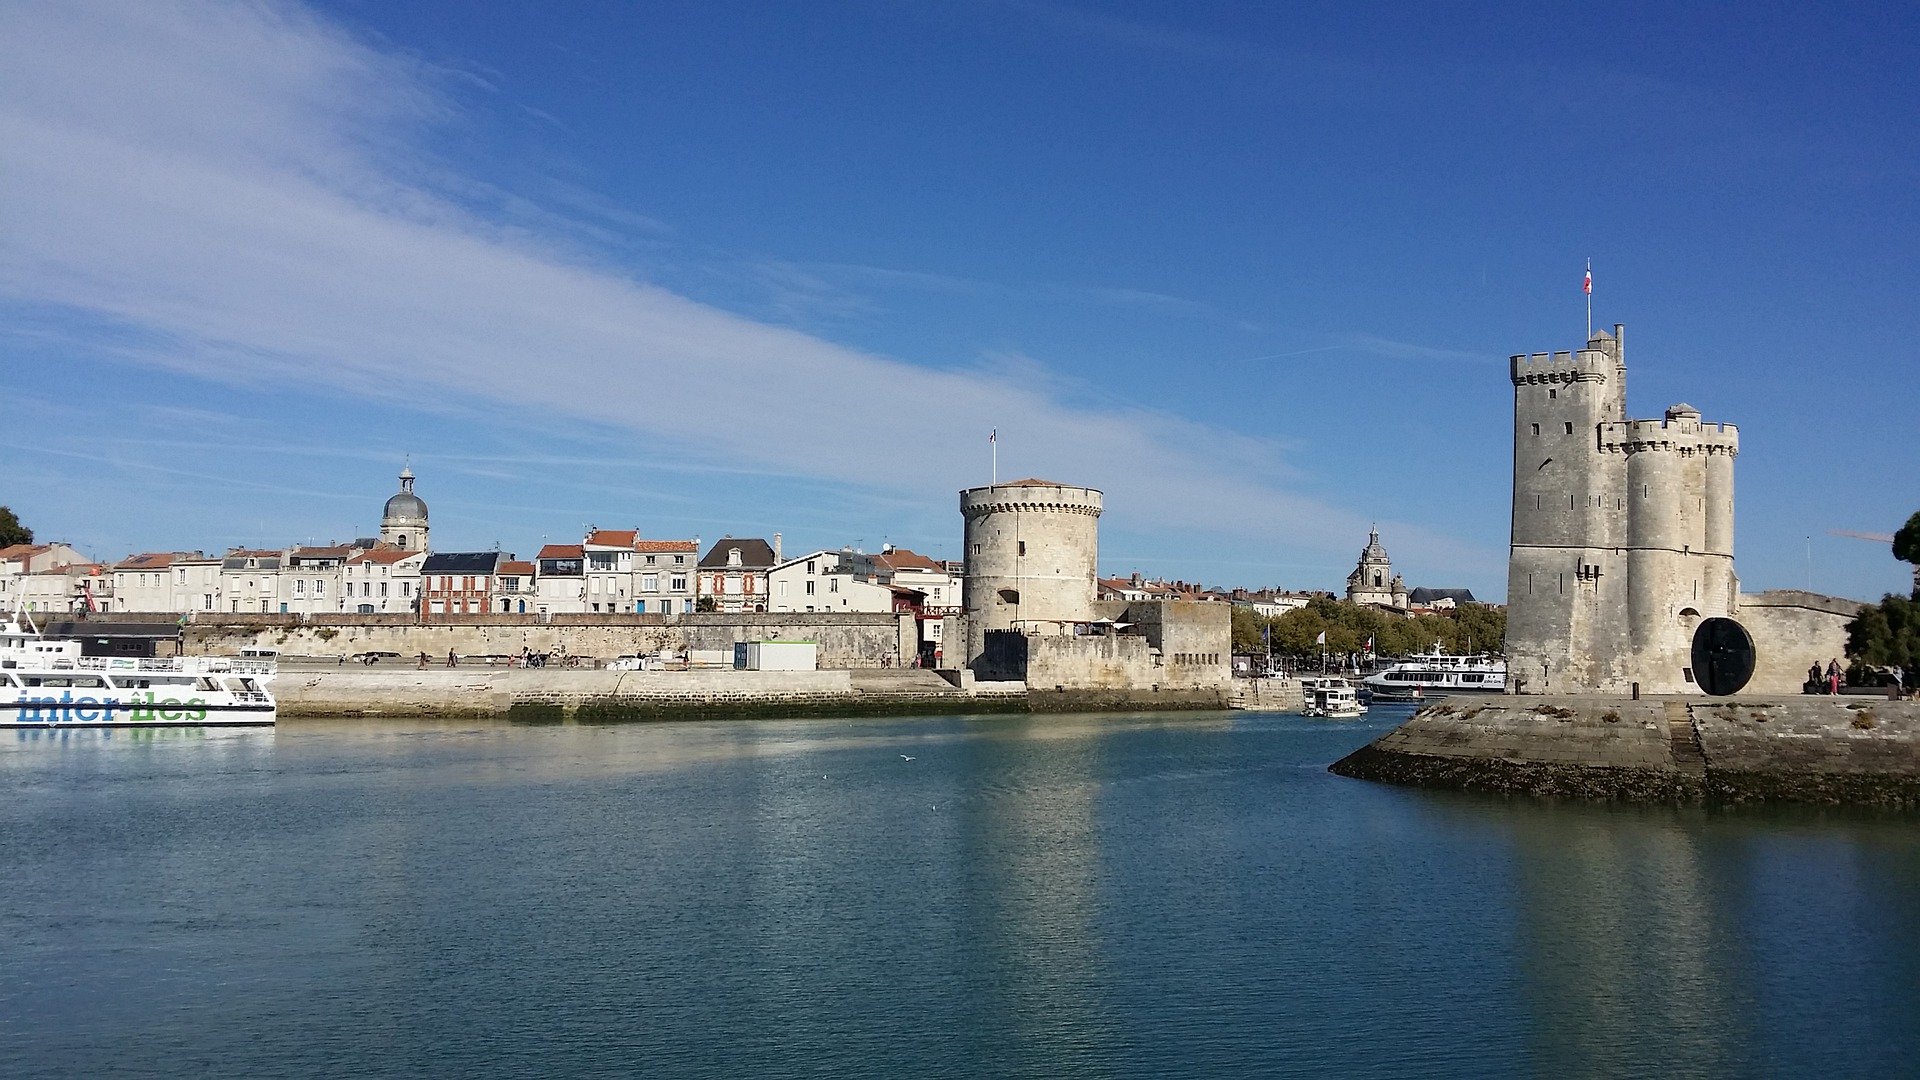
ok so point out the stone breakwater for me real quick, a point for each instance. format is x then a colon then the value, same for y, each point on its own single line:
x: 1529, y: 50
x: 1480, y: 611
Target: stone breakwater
x: 550, y: 695
x: 1833, y: 751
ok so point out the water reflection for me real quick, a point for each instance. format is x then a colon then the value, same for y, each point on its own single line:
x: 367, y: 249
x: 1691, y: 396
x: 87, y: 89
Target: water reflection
x: 1028, y: 859
x: 1621, y: 954
x: 1058, y: 896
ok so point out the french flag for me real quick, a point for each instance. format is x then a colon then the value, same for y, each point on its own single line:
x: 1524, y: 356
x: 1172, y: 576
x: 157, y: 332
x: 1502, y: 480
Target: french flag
x: 1588, y: 286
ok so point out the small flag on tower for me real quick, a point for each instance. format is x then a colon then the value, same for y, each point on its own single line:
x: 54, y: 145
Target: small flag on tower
x: 1587, y: 286
x: 993, y: 436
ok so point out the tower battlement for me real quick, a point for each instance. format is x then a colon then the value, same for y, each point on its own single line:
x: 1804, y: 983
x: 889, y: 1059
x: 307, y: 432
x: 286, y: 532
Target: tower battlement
x: 1561, y: 367
x: 1682, y: 435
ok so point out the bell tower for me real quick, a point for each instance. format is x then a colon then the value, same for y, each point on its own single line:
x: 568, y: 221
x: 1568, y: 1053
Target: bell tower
x: 404, y: 524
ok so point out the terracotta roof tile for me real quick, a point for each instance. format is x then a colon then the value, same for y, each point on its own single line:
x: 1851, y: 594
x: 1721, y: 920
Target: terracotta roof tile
x: 151, y: 560
x: 386, y: 556
x: 902, y: 559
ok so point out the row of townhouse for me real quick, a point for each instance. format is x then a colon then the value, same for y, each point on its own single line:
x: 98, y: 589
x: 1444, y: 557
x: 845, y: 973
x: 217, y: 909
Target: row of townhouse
x: 52, y: 578
x: 610, y: 571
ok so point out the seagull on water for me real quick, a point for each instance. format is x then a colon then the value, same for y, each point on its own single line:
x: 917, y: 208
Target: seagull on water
x: 904, y: 757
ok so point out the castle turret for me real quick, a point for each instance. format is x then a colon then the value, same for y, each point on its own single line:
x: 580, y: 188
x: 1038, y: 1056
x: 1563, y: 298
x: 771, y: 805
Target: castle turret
x: 1564, y: 507
x: 1032, y: 550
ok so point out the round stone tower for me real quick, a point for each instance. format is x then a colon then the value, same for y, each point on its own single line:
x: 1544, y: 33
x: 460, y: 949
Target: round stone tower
x: 404, y: 524
x: 1032, y: 557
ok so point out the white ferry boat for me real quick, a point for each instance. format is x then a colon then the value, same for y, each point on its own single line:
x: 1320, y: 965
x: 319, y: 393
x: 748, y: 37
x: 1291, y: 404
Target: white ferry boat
x: 1334, y: 699
x: 46, y: 682
x: 1428, y: 674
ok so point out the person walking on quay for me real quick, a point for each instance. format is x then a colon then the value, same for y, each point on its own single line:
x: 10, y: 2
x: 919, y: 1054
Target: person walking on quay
x: 453, y: 659
x: 1833, y: 677
x: 1814, y: 678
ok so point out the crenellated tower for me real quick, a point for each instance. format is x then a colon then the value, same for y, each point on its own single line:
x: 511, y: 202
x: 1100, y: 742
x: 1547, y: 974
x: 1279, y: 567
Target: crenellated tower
x: 1622, y: 542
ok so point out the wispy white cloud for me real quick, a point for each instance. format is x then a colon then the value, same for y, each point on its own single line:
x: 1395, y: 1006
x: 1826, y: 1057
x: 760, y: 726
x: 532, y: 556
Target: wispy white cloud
x: 239, y: 186
x: 1403, y: 350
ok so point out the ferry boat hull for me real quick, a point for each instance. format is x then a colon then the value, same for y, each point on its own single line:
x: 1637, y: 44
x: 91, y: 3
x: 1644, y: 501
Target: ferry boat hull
x: 50, y: 683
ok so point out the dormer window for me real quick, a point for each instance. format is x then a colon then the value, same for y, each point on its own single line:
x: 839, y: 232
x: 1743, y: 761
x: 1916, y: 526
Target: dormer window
x: 733, y: 557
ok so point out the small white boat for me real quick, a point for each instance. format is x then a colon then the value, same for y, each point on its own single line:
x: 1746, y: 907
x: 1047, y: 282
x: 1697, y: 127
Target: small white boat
x: 46, y: 682
x: 1334, y: 699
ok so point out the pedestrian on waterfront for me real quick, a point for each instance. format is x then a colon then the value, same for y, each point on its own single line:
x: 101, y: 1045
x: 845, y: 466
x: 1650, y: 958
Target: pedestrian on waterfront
x: 423, y: 660
x: 1833, y: 677
x: 1814, y: 679
x: 453, y: 659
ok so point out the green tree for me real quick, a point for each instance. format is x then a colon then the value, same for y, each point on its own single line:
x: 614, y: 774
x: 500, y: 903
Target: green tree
x: 1887, y: 634
x: 12, y: 532
x: 1247, y: 625
x: 1906, y: 548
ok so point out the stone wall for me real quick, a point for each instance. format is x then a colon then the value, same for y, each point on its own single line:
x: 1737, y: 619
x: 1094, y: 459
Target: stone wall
x: 551, y: 695
x: 1096, y: 661
x: 1195, y: 640
x: 1792, y: 630
x: 846, y: 640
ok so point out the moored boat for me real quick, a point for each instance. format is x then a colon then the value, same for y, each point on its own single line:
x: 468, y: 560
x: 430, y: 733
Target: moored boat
x: 1334, y: 699
x: 48, y: 682
x: 1424, y: 675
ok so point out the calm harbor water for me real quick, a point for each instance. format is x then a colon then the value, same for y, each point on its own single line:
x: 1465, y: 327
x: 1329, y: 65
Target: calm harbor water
x: 1171, y: 895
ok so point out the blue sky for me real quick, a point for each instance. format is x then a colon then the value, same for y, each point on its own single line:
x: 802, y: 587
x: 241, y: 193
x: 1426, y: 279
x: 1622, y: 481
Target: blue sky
x: 1252, y: 269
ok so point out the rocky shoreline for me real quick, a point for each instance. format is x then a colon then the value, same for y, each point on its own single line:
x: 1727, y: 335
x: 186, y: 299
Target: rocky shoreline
x: 1854, y: 751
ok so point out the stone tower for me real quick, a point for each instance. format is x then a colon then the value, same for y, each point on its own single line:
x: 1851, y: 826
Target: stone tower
x: 1373, y: 580
x: 404, y: 524
x: 1032, y: 552
x: 1622, y: 542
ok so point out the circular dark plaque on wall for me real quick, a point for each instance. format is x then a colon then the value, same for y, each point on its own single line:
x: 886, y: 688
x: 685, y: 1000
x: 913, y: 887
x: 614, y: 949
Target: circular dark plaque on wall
x: 1722, y: 656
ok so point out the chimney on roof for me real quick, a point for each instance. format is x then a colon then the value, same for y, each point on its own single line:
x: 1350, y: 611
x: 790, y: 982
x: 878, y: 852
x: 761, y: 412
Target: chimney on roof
x: 1136, y: 579
x: 776, y: 547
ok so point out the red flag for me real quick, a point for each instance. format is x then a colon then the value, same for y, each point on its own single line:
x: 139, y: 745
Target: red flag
x: 1588, y: 286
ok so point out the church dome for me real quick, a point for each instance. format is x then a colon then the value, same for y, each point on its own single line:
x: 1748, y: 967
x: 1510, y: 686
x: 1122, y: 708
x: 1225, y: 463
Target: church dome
x: 405, y: 506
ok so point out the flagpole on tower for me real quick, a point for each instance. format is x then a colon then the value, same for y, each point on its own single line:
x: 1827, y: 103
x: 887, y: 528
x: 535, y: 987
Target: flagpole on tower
x: 993, y: 440
x: 1587, y: 285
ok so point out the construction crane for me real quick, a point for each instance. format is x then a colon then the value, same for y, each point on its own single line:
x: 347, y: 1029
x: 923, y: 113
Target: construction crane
x: 1878, y: 538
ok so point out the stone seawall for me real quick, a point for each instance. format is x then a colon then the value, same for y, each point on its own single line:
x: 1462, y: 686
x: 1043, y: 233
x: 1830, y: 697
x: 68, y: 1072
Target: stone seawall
x: 544, y: 694
x: 1835, y: 751
x: 845, y: 639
